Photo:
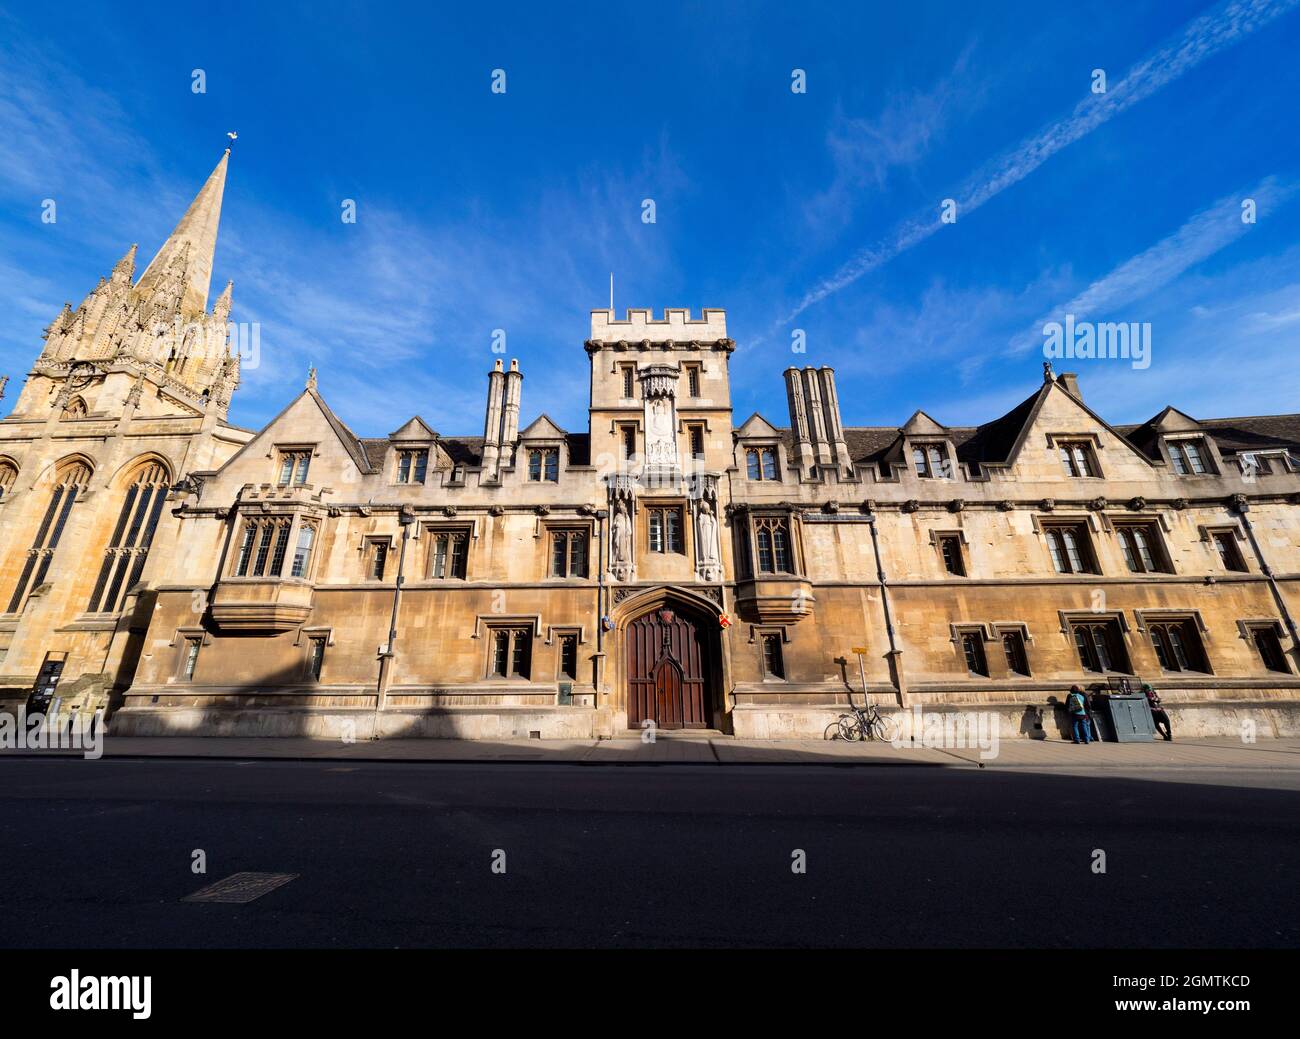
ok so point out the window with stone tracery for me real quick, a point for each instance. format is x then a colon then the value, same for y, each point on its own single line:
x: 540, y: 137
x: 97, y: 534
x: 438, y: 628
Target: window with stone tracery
x: 69, y: 485
x: 128, y: 547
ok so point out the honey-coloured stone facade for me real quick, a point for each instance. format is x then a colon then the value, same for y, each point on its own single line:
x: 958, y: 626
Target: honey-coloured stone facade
x: 668, y: 565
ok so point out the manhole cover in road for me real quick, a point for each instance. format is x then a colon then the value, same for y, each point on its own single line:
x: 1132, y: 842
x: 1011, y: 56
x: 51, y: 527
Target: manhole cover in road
x: 240, y: 887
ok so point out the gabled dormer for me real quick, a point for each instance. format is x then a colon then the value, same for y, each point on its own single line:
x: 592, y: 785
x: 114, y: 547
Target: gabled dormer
x: 760, y: 450
x: 927, y: 448
x: 543, y: 451
x: 412, y: 453
x: 1181, y: 442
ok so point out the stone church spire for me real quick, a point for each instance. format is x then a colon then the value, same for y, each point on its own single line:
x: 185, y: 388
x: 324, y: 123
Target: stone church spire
x: 191, y: 247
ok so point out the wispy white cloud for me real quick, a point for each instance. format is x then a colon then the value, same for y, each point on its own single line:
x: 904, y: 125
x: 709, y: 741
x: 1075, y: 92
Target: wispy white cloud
x: 397, y: 311
x: 1205, y: 36
x: 866, y: 150
x: 1203, y: 235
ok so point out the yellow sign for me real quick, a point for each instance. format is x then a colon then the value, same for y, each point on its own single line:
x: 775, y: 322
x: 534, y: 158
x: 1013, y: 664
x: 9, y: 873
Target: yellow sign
x: 860, y: 650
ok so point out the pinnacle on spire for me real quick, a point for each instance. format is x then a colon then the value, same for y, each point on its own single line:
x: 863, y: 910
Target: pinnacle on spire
x: 125, y: 267
x: 221, y: 308
x: 192, y: 243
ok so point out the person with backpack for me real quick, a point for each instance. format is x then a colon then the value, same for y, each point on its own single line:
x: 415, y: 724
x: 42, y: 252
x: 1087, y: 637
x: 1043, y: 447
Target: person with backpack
x: 1076, y: 705
x: 1158, y: 715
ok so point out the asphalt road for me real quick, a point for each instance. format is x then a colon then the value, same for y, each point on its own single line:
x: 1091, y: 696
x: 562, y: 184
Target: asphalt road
x: 98, y: 854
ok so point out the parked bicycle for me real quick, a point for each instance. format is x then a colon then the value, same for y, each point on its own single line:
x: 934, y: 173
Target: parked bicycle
x: 864, y: 723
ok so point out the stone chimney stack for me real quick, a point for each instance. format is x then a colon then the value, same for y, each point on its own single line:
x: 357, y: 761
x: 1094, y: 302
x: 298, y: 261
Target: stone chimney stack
x: 834, y: 426
x: 816, y: 415
x: 510, y: 412
x: 492, y: 424
x: 1069, y: 381
x: 799, y: 419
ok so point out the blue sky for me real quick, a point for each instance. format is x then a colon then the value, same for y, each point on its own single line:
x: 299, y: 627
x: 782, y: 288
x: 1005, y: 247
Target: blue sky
x: 816, y: 211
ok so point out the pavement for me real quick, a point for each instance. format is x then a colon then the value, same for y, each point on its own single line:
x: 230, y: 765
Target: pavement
x: 1278, y: 756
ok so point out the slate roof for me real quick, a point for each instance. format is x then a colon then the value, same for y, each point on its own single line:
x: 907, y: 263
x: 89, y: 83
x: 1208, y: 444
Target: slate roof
x: 993, y: 441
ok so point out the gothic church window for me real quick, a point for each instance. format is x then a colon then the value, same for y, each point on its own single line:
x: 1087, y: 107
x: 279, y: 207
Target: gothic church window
x: 70, y: 483
x: 128, y: 547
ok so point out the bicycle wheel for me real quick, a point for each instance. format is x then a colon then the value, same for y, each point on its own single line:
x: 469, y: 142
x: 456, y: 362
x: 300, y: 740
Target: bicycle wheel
x: 883, y: 729
x: 850, y: 729
x: 832, y: 731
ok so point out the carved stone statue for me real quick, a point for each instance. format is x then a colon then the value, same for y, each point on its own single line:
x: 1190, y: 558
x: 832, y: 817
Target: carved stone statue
x: 706, y: 544
x: 621, y: 541
x: 660, y: 446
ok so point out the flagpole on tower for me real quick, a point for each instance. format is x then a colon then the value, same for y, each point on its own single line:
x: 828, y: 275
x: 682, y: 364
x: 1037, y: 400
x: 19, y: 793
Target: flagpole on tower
x: 611, y: 293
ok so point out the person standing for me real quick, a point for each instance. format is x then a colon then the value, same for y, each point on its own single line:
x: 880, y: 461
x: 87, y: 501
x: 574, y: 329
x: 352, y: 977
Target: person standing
x: 1158, y: 715
x: 1076, y: 705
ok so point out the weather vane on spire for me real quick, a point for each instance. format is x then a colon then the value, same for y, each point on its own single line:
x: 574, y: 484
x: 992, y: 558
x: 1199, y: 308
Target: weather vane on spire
x: 232, y: 135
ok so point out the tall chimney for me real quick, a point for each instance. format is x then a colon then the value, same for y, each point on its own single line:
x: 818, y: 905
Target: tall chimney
x: 816, y: 416
x: 834, y: 426
x: 1069, y: 381
x: 510, y: 414
x: 492, y: 424
x: 798, y: 419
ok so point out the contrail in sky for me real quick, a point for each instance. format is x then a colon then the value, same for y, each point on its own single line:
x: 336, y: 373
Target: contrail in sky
x: 1200, y: 39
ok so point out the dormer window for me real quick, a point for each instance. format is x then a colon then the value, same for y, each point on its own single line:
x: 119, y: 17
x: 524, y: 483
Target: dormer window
x: 293, y: 468
x: 1078, y: 458
x: 544, y: 464
x: 760, y: 463
x: 931, y: 461
x: 1188, y: 456
x: 412, y: 465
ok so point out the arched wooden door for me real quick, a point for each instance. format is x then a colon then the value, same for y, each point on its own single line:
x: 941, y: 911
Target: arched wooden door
x: 668, y: 670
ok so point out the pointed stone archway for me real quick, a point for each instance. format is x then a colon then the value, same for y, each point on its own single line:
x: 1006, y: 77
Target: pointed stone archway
x: 671, y: 663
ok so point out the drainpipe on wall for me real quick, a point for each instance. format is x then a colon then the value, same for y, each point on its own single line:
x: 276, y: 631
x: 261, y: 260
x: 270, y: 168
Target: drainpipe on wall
x: 405, y: 517
x: 601, y: 516
x: 895, y: 654
x: 1241, y: 506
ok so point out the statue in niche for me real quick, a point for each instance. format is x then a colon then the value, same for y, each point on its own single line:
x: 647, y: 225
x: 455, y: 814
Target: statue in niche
x: 660, y: 446
x: 707, y: 543
x: 621, y: 541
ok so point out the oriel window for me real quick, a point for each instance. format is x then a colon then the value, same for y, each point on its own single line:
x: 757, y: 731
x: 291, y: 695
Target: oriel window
x: 772, y: 546
x: 302, y: 551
